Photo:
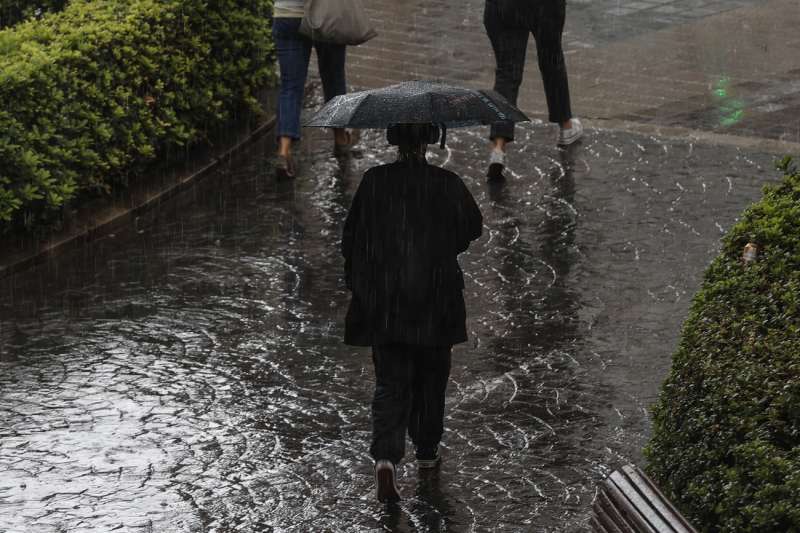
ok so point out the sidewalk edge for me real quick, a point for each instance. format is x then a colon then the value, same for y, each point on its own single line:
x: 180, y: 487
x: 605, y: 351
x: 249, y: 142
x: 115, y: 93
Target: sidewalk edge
x: 758, y: 144
x: 129, y: 214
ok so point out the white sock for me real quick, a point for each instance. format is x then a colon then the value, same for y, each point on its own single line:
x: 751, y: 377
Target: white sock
x: 498, y: 156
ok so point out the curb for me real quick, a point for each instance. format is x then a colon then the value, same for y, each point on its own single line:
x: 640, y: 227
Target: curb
x: 130, y: 214
x: 684, y: 134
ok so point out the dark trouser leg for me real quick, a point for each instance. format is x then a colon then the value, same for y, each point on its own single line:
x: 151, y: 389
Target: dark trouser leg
x: 330, y: 59
x: 294, y: 54
x: 431, y: 373
x: 391, y: 404
x: 508, y: 43
x: 547, y: 26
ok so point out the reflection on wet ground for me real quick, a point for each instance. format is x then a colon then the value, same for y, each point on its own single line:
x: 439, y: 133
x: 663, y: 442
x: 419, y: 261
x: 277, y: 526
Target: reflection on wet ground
x: 603, y: 21
x: 188, y: 374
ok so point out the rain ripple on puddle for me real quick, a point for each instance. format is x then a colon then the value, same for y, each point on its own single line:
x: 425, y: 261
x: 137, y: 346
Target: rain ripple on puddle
x: 192, y: 377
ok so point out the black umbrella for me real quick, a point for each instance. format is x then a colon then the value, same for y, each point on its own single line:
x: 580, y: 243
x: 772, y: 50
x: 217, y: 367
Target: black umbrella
x: 416, y: 102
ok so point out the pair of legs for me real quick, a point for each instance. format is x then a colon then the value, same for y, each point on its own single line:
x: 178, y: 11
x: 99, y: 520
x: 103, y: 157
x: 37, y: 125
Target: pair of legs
x: 294, y: 54
x: 410, y: 385
x: 508, y: 24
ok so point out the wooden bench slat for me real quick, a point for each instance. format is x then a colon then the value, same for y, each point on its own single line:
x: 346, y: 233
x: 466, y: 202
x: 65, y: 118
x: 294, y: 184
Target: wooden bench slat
x: 629, y: 502
x: 658, y: 500
x: 628, y: 510
x: 640, y: 503
x: 609, y: 517
x: 651, y: 497
x: 597, y: 527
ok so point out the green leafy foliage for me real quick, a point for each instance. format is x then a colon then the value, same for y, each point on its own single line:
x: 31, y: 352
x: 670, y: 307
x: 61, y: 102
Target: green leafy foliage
x: 90, y: 95
x: 15, y: 11
x: 726, y: 443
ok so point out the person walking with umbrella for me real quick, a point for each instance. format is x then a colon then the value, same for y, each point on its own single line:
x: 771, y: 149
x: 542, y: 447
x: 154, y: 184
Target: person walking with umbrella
x: 408, y: 222
x: 508, y: 24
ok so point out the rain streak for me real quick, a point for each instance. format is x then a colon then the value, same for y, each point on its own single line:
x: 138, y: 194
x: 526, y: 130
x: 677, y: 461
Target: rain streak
x: 188, y: 373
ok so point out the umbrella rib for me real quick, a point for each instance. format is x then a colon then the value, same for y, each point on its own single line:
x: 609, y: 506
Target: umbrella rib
x: 355, y: 111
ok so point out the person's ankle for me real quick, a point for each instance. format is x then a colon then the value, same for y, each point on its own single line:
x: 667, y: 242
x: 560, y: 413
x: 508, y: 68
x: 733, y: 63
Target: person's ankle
x: 427, y: 452
x: 285, y: 146
x: 566, y: 125
x: 340, y: 136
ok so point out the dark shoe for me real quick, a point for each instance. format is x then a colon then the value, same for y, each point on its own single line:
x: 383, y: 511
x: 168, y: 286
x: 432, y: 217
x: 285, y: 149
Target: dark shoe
x: 428, y: 458
x: 385, y: 483
x: 497, y: 163
x: 340, y: 150
x: 284, y: 168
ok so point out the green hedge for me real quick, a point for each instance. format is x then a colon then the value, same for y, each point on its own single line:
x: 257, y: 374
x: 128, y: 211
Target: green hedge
x: 90, y: 95
x: 15, y: 11
x: 726, y: 444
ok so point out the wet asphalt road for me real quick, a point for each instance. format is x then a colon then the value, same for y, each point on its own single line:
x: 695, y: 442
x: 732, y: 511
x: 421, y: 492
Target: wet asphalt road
x: 187, y: 374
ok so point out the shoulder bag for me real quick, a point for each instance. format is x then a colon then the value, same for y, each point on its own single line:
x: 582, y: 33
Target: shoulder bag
x: 337, y: 22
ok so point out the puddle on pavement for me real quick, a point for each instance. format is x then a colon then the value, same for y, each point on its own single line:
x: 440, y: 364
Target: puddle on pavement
x: 187, y: 374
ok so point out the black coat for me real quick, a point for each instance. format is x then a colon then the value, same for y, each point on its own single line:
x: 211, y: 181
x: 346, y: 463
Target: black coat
x: 406, y: 226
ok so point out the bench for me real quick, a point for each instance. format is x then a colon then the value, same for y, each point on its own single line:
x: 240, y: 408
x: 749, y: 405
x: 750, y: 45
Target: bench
x: 629, y: 502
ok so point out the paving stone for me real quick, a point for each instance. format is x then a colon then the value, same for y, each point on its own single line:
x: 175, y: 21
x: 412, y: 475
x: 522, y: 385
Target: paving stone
x: 201, y: 384
x: 636, y: 6
x: 663, y: 40
x: 668, y: 9
x: 159, y: 403
x: 618, y: 11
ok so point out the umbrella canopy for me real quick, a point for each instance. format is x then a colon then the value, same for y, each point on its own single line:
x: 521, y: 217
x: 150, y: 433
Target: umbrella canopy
x: 415, y: 102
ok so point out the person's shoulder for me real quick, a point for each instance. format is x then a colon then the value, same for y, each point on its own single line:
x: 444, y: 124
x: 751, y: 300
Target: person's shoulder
x: 380, y: 170
x: 376, y: 172
x: 445, y: 173
x: 447, y: 176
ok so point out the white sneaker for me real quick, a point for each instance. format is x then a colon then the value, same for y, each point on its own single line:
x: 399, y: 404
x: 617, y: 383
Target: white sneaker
x: 569, y: 135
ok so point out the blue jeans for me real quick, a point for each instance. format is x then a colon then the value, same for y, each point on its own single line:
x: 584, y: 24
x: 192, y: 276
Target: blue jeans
x: 294, y: 54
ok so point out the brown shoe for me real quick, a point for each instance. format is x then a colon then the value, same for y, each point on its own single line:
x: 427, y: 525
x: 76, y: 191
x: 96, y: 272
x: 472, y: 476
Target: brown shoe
x: 284, y: 167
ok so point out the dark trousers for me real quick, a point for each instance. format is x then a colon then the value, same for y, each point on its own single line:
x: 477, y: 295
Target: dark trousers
x: 508, y: 23
x: 410, y: 384
x: 294, y: 55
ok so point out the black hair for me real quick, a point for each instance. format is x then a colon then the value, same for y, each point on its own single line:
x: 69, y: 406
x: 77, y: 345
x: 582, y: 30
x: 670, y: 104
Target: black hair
x: 412, y: 138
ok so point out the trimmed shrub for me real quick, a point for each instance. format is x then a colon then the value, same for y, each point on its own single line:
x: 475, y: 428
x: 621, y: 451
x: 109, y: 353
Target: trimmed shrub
x: 15, y: 11
x: 726, y: 443
x: 90, y: 95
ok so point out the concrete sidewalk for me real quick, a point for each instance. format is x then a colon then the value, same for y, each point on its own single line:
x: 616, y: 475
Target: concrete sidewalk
x: 198, y: 349
x: 724, y: 71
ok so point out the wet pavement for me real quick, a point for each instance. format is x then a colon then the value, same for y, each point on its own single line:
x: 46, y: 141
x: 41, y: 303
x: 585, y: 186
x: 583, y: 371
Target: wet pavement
x: 187, y: 374
x: 728, y: 67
